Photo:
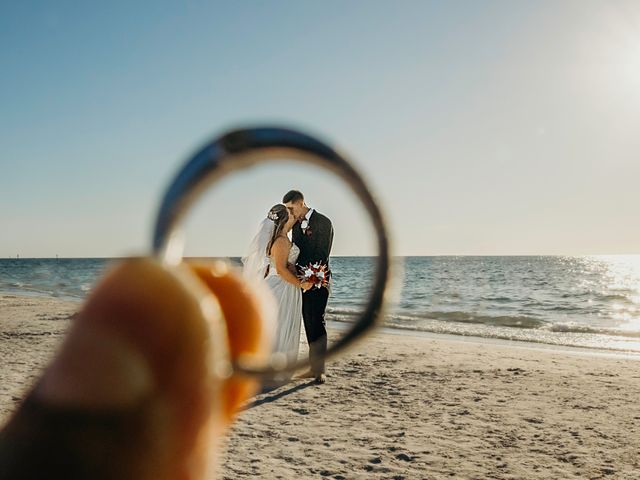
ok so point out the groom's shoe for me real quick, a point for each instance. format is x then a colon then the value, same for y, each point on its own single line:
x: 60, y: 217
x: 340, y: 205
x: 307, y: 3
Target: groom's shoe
x: 320, y: 379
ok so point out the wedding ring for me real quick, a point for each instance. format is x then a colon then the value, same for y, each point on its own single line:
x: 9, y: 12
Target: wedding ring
x: 240, y: 149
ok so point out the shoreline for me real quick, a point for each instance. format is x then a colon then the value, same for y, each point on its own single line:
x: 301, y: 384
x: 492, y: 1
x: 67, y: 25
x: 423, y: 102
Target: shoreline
x: 341, y: 325
x: 521, y: 344
x: 515, y: 343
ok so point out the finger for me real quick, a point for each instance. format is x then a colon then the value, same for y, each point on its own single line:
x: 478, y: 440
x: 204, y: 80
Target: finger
x: 134, y: 391
x: 248, y: 328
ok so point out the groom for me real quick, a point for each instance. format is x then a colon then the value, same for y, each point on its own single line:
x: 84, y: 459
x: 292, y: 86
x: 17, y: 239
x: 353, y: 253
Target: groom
x: 313, y: 234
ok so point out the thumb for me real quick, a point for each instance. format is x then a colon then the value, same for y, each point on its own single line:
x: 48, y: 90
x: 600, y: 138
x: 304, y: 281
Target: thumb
x: 136, y: 389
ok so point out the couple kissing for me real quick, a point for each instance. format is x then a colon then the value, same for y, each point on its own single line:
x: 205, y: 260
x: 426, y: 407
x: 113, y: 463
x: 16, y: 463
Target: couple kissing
x: 291, y: 254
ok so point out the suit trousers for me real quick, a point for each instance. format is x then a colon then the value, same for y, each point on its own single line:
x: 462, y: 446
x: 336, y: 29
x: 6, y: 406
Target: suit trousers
x: 314, y: 303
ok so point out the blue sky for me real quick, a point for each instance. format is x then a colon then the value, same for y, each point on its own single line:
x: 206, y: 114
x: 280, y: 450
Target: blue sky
x: 484, y: 127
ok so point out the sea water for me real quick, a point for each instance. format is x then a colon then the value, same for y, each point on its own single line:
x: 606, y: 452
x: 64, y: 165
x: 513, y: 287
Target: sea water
x: 587, y: 301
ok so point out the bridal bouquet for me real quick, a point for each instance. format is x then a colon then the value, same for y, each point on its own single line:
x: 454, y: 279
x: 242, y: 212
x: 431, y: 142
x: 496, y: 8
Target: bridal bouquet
x: 315, y: 273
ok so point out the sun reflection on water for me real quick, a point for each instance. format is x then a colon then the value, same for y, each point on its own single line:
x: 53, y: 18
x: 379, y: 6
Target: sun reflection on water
x: 621, y: 275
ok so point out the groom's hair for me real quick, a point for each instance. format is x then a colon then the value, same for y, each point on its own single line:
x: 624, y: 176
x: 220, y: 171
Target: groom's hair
x: 293, y: 196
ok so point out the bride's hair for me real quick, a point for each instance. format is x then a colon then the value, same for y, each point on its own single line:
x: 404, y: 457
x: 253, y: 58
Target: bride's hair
x: 280, y: 215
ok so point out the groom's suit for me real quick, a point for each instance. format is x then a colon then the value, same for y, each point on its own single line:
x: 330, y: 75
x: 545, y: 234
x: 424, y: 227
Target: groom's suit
x: 315, y: 246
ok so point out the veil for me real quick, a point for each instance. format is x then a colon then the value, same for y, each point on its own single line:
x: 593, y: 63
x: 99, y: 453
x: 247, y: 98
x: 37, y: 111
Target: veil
x: 254, y: 267
x: 255, y: 262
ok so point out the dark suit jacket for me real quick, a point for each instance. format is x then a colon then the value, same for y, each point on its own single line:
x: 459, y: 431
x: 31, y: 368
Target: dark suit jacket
x: 315, y: 244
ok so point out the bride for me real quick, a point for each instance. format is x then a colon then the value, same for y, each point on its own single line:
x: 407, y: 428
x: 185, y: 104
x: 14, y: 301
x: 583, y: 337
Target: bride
x: 272, y: 258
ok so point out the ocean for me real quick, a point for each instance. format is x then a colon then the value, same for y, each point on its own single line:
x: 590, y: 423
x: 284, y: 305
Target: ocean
x: 585, y: 301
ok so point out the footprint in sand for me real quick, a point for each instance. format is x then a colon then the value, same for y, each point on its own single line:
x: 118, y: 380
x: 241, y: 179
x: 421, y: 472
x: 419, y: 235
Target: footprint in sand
x: 405, y: 458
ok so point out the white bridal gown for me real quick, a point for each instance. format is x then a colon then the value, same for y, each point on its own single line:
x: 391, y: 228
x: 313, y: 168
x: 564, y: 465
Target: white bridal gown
x: 288, y: 297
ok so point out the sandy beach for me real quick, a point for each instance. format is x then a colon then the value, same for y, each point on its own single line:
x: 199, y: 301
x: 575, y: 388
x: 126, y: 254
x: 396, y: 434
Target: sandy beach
x: 404, y: 407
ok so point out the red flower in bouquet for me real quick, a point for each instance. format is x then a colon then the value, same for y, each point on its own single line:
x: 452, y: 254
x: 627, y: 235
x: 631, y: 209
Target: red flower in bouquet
x: 315, y: 273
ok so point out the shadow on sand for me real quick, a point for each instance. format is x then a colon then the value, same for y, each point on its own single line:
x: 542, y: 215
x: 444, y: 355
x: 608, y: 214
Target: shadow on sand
x: 278, y: 394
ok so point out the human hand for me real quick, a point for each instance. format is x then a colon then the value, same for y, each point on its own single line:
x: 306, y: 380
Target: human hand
x: 306, y: 286
x: 138, y: 389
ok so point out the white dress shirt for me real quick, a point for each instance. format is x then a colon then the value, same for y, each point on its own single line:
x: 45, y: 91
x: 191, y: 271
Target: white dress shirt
x: 305, y: 222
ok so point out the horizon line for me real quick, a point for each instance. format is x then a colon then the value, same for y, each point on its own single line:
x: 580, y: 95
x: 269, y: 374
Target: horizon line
x: 348, y: 256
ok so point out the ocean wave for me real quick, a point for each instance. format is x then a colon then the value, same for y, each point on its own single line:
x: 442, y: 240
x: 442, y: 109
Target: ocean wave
x: 562, y: 308
x: 575, y: 328
x: 570, y: 336
x: 438, y: 321
x: 519, y: 321
x: 576, y: 294
x: 498, y: 299
x: 516, y: 321
x: 614, y: 297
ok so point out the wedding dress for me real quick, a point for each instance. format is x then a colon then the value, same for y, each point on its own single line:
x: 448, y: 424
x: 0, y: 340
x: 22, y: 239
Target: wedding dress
x: 287, y: 297
x: 289, y: 300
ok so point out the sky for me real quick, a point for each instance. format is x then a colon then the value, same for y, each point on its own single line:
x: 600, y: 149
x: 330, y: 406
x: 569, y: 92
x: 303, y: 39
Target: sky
x: 483, y: 127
